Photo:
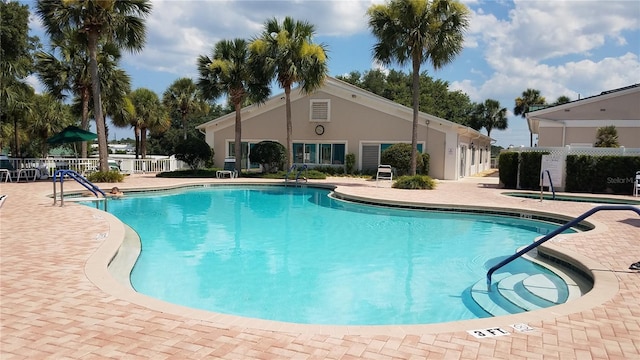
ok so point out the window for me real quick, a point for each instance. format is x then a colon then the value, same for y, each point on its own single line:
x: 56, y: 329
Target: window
x: 246, y: 149
x: 473, y: 156
x: 480, y: 156
x: 320, y: 110
x: 325, y: 154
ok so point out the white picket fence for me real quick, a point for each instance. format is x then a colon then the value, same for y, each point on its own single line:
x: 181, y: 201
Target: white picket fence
x: 48, y: 166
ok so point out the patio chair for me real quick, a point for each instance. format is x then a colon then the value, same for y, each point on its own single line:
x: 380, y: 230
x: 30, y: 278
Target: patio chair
x: 2, y: 199
x: 9, y: 173
x: 229, y: 169
x: 636, y: 184
x: 385, y: 172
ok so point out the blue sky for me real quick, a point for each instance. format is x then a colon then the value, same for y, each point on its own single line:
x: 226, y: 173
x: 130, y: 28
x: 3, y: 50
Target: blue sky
x: 576, y: 48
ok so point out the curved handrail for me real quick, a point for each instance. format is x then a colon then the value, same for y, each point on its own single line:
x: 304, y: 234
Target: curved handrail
x: 286, y: 177
x: 554, y: 233
x: 304, y: 167
x: 60, y: 174
x: 553, y: 191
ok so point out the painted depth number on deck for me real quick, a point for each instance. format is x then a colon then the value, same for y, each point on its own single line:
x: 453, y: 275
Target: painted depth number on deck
x: 489, y: 332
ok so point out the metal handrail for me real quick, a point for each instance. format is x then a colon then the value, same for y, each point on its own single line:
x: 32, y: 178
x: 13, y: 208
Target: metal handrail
x: 79, y: 179
x: 286, y: 177
x: 553, y: 191
x: 304, y: 167
x: 554, y: 233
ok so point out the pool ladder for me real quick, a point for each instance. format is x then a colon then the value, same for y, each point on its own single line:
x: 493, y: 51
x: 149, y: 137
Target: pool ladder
x: 554, y: 233
x: 553, y: 191
x: 297, y: 178
x: 61, y: 174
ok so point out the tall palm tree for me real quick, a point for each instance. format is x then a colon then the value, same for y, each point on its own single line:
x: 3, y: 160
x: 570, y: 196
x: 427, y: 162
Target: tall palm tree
x: 118, y: 22
x: 184, y: 97
x: 490, y: 116
x: 418, y: 31
x: 228, y: 72
x: 529, y: 98
x: 287, y: 52
x: 65, y: 70
x: 148, y: 115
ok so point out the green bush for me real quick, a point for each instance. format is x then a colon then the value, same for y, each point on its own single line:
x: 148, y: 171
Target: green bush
x: 601, y: 174
x: 399, y: 157
x: 106, y: 176
x: 330, y: 170
x: 309, y: 174
x: 270, y: 154
x: 420, y: 182
x: 193, y: 151
x: 530, y: 167
x: 508, y: 169
x: 350, y: 163
x: 425, y: 164
x: 194, y: 173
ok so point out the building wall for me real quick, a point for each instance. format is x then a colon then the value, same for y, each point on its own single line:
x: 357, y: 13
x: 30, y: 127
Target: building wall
x: 552, y: 136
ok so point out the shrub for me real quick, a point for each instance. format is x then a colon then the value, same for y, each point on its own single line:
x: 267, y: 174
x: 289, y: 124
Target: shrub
x: 350, y: 163
x: 106, y: 176
x: 420, y: 182
x: 270, y: 154
x: 194, y: 173
x: 309, y: 174
x: 399, y: 157
x: 508, y: 169
x: 194, y: 152
x: 425, y: 164
x: 530, y: 167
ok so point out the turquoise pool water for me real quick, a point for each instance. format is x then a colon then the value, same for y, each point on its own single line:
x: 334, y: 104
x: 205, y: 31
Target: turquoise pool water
x: 297, y: 255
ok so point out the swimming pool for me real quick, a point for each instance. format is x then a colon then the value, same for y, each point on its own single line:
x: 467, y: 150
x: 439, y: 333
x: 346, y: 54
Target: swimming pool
x: 296, y: 255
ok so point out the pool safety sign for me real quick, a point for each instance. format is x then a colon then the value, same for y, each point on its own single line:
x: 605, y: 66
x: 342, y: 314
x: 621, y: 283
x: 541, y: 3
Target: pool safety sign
x: 488, y: 332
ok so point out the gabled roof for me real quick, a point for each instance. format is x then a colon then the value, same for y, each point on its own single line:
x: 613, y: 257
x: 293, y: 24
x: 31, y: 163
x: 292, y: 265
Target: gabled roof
x: 617, y: 104
x: 348, y: 92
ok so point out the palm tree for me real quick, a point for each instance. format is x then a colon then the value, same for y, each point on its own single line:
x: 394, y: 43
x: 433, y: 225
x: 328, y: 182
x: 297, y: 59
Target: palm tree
x: 49, y: 117
x: 118, y: 22
x: 286, y: 51
x: 148, y: 115
x: 66, y: 70
x: 184, y: 97
x: 418, y: 31
x: 607, y: 136
x: 228, y: 72
x: 562, y: 99
x: 490, y: 116
x: 530, y: 98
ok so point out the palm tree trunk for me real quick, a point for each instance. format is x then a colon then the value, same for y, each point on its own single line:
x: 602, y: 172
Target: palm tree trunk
x: 184, y: 124
x: 287, y: 97
x: 84, y: 122
x: 415, y: 89
x: 238, y: 144
x: 16, y: 138
x: 103, y: 153
x: 136, y: 134
x: 143, y: 142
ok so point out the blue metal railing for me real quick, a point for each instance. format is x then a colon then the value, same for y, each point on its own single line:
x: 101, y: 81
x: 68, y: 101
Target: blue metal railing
x: 286, y: 177
x: 300, y: 170
x: 553, y: 191
x: 554, y: 233
x: 59, y: 175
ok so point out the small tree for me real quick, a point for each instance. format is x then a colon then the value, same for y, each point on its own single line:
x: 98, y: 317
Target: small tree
x: 399, y: 157
x: 270, y: 154
x: 193, y: 151
x: 607, y: 136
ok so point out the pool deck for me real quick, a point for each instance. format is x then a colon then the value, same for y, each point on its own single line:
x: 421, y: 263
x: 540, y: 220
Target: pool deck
x: 57, y: 300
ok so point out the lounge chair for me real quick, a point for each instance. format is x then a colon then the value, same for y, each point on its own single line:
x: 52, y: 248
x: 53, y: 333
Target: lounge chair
x: 229, y: 169
x: 8, y: 172
x: 385, y: 172
x: 2, y: 199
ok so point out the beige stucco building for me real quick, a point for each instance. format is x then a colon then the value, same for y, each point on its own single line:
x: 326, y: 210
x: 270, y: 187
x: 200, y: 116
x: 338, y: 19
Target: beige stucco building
x: 340, y: 118
x: 576, y: 123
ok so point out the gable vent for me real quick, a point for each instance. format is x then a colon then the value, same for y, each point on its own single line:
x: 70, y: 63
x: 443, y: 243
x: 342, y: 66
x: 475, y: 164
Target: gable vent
x: 320, y: 110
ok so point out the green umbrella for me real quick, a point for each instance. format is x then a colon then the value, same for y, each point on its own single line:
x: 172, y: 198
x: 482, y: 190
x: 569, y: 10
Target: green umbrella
x: 71, y: 134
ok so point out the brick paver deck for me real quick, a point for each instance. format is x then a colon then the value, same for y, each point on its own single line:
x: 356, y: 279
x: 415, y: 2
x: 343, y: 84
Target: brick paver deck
x: 56, y: 301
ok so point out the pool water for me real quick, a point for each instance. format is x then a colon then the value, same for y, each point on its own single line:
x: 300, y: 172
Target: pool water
x: 297, y: 255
